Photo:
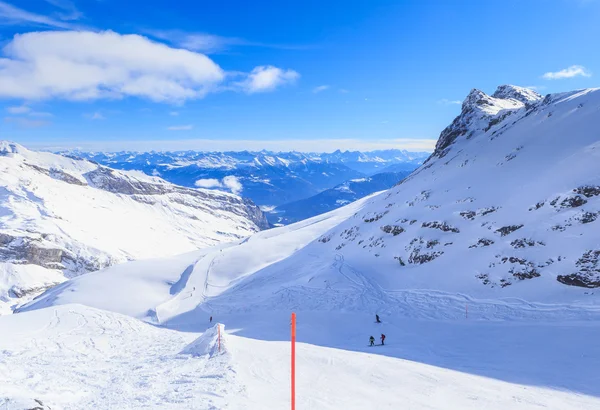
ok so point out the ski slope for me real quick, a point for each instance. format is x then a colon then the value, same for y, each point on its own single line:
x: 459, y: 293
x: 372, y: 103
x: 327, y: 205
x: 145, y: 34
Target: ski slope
x: 73, y: 357
x: 483, y: 265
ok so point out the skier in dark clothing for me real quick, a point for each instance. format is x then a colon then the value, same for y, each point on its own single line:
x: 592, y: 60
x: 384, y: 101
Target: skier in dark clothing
x: 377, y: 319
x: 372, y: 340
x: 211, y: 319
x: 382, y: 339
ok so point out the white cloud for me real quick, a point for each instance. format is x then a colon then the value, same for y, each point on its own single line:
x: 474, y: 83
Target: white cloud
x: 320, y: 88
x: 343, y: 91
x: 87, y: 65
x: 230, y: 182
x: 267, y: 78
x: 180, y: 127
x: 570, y: 72
x: 10, y: 14
x: 21, y: 109
x: 173, y: 113
x: 84, y: 65
x: 233, y: 184
x: 208, y: 183
x: 445, y: 101
x: 302, y: 145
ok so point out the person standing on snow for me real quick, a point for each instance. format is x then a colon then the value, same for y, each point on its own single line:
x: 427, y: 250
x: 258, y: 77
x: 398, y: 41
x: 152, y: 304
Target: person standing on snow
x: 211, y: 319
x: 372, y: 340
x: 377, y: 319
x: 382, y: 339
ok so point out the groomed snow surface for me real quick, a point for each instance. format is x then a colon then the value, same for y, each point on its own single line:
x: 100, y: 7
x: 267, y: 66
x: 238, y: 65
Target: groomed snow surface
x: 508, y: 354
x: 76, y: 357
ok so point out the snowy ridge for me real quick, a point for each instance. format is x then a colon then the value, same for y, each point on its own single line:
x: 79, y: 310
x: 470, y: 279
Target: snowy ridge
x: 61, y: 217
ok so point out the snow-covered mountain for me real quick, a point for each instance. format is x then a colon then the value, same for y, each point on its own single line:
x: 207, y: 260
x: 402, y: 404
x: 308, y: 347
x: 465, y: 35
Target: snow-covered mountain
x: 268, y: 178
x: 61, y: 217
x: 334, y: 198
x: 507, y: 206
x: 495, y: 237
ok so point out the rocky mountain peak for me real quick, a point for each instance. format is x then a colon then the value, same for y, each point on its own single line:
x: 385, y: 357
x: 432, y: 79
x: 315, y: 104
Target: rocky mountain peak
x: 522, y: 94
x: 480, y: 112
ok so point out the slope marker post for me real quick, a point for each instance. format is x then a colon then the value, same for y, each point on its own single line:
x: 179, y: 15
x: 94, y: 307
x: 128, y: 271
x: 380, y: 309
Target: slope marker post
x: 293, y: 361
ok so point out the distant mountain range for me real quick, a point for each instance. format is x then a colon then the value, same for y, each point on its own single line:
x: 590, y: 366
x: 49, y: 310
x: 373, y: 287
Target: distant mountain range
x: 334, y: 198
x: 267, y: 178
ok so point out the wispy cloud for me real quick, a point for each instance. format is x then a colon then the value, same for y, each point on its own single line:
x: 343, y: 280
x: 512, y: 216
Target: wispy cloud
x: 11, y: 15
x: 95, y: 116
x: 69, y: 10
x: 174, y: 113
x: 180, y: 127
x: 26, y: 110
x: 445, y: 101
x: 268, y: 78
x: 26, y: 122
x: 569, y: 72
x: 212, y: 43
x: 320, y: 88
x: 40, y: 114
x: 536, y: 87
x: 343, y: 91
x: 21, y: 109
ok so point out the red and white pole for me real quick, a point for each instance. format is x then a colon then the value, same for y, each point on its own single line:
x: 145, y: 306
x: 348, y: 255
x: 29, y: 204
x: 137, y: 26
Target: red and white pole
x: 293, y: 361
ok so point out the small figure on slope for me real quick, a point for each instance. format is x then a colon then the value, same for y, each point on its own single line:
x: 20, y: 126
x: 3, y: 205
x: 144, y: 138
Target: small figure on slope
x: 372, y: 340
x: 382, y: 339
x: 211, y: 319
x: 377, y: 319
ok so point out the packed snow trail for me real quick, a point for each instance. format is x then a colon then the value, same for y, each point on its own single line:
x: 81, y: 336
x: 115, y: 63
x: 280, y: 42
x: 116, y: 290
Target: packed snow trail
x: 74, y: 357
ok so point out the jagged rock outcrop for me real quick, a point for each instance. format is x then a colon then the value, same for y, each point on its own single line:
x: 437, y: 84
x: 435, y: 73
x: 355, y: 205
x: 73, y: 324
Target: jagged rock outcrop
x: 481, y: 112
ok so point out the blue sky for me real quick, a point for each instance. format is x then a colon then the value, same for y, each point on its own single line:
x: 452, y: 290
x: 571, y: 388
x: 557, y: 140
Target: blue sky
x: 310, y: 75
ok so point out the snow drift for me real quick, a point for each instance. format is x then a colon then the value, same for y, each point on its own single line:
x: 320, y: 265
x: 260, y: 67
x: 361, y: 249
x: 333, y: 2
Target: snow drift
x: 211, y: 342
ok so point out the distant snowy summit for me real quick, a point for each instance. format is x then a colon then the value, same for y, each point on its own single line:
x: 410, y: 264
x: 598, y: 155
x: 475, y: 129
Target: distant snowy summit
x: 61, y: 217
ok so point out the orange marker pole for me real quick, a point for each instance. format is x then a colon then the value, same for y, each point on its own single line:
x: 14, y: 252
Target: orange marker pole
x: 293, y: 361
